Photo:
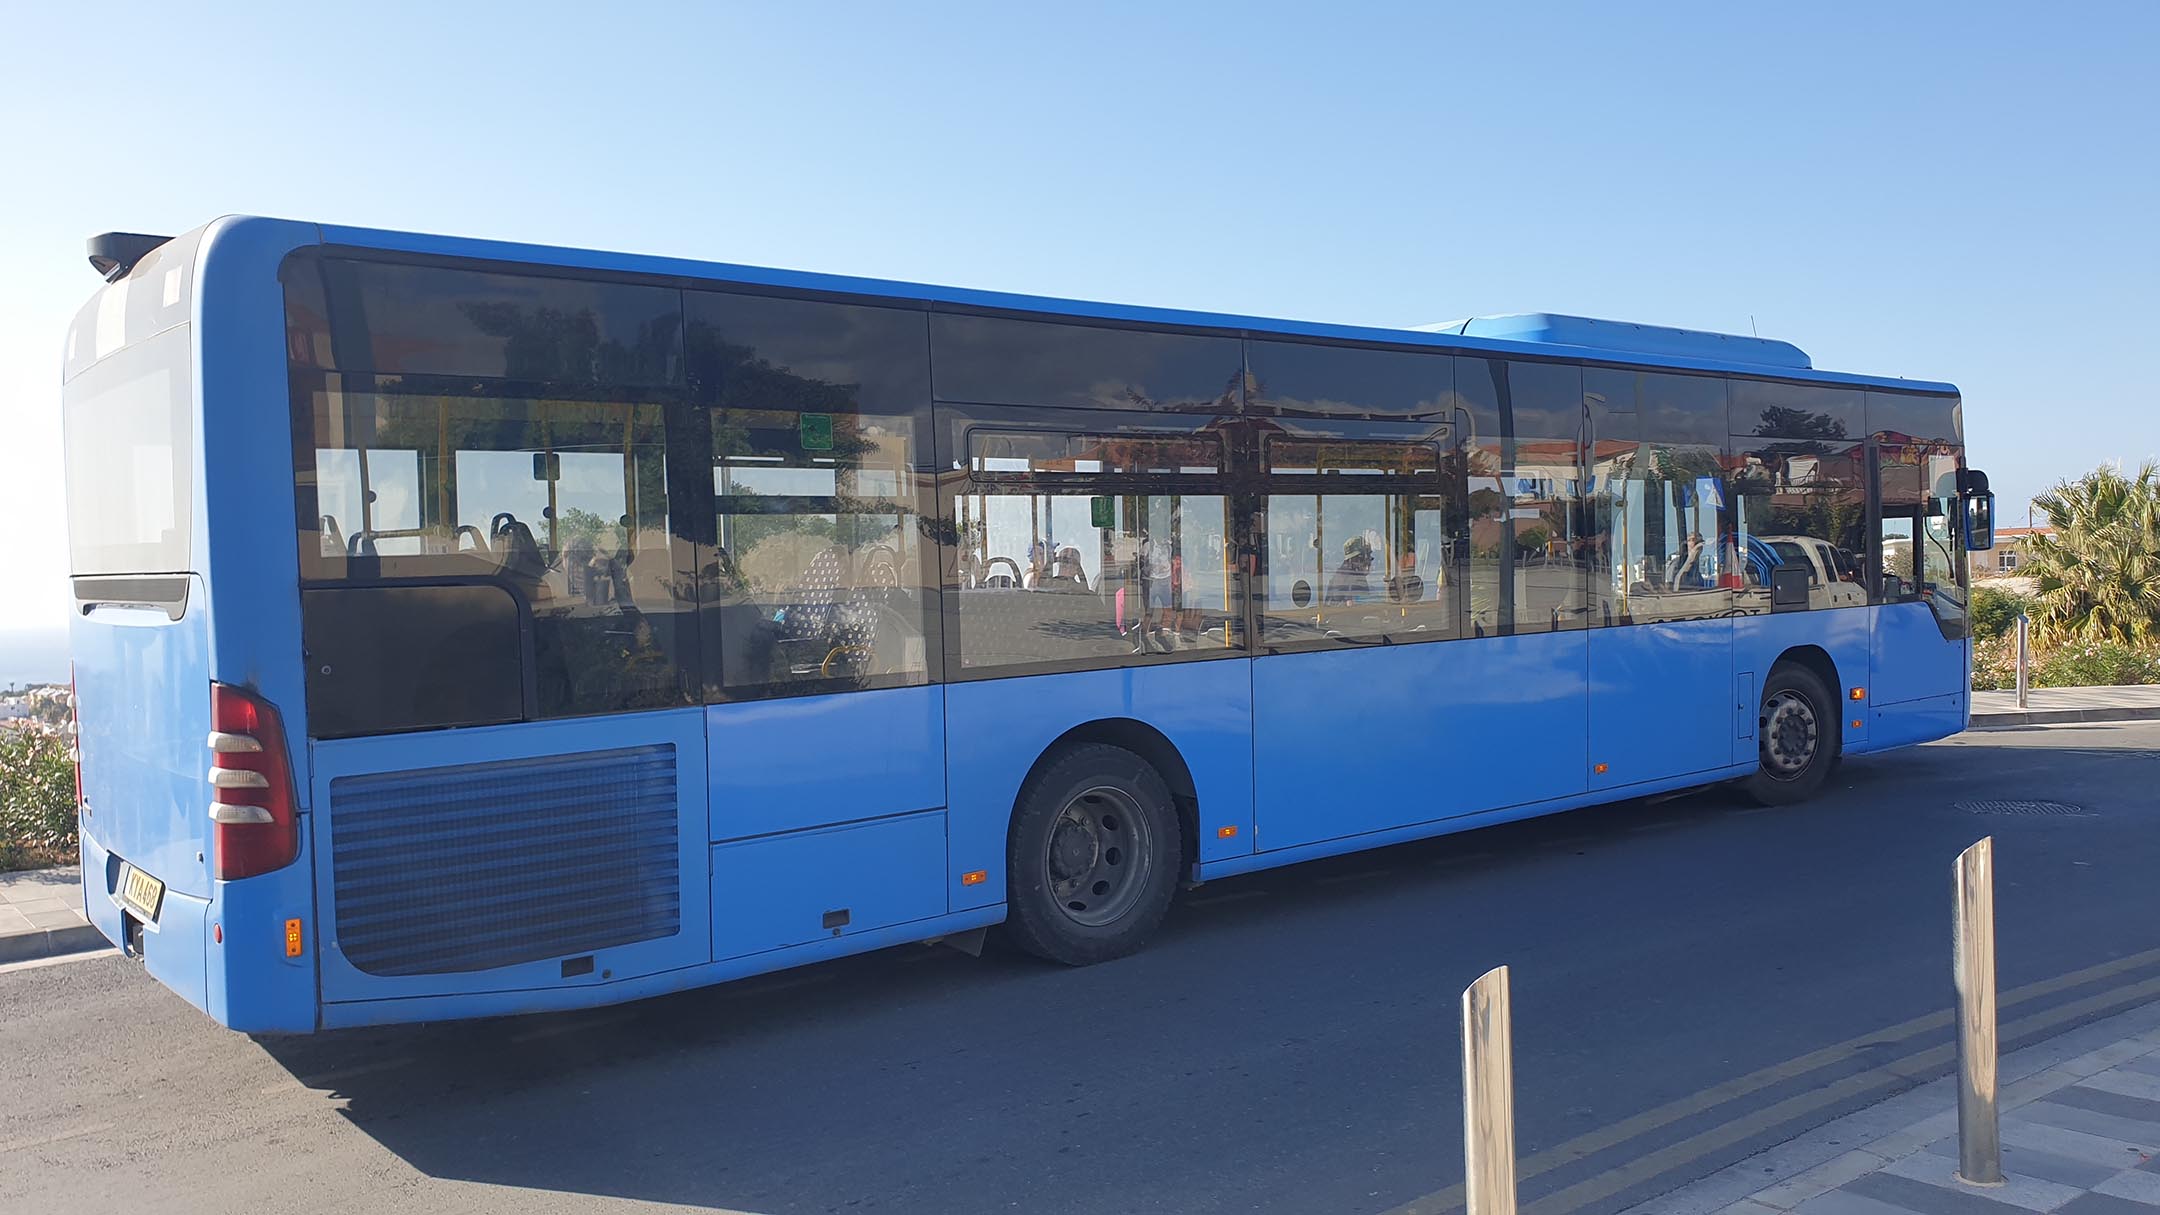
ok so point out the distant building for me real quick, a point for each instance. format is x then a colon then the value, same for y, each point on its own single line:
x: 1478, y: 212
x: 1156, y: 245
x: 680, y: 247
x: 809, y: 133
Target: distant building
x: 2007, y: 558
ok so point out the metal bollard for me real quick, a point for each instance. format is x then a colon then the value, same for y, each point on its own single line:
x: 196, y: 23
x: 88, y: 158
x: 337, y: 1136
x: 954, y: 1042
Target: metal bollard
x: 2024, y: 658
x: 1973, y: 968
x: 1488, y: 1075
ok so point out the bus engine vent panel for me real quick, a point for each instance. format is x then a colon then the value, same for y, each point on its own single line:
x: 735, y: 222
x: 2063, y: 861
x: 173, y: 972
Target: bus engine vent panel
x: 466, y: 868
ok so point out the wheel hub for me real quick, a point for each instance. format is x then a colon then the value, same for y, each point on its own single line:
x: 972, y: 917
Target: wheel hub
x: 1072, y: 849
x: 1099, y: 856
x: 1790, y: 735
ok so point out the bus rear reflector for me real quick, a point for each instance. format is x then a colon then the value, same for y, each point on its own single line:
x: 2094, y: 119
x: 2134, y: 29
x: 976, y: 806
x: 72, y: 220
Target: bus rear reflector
x: 254, y: 824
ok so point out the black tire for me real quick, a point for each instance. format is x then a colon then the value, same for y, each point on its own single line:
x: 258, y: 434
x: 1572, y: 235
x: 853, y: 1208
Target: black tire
x: 1798, y: 738
x: 1093, y: 857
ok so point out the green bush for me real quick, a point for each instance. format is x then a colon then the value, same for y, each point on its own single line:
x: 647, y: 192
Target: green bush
x: 1995, y: 611
x: 2096, y: 664
x: 37, y: 800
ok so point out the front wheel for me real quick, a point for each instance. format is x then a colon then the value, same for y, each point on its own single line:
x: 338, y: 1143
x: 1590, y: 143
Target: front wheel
x: 1093, y: 858
x: 1797, y: 737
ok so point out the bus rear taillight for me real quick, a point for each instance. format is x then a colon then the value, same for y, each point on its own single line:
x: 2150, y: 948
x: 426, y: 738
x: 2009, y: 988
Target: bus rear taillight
x: 254, y: 826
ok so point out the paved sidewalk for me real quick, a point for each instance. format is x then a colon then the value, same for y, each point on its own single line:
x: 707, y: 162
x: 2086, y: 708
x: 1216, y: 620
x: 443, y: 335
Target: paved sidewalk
x: 2080, y: 1133
x: 41, y: 915
x: 2044, y: 705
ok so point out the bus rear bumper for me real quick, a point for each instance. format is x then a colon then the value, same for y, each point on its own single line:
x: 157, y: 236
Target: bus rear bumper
x: 170, y: 948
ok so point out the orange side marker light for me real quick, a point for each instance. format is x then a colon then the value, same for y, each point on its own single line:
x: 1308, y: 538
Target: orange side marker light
x: 292, y: 938
x: 1601, y: 769
x: 974, y: 877
x: 1859, y: 693
x: 1226, y: 833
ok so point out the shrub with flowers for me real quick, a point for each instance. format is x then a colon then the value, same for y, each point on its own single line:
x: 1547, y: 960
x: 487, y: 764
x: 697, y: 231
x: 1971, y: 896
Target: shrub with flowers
x: 2073, y: 665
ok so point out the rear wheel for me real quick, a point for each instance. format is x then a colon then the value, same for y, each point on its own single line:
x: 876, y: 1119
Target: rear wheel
x: 1796, y: 735
x: 1093, y: 858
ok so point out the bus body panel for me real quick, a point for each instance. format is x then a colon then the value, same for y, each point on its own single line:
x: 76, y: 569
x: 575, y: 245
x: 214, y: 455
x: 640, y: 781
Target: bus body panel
x: 814, y: 761
x: 1913, y: 659
x: 1844, y: 634
x: 1256, y: 862
x: 255, y: 982
x: 776, y: 891
x: 997, y: 728
x: 1351, y: 741
x: 433, y: 826
x: 565, y: 997
x: 171, y: 948
x: 251, y: 565
x: 142, y: 689
x: 1915, y: 721
x: 1660, y: 701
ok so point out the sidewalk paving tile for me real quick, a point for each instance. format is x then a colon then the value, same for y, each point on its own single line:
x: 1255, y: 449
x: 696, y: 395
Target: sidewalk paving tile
x: 1845, y: 1202
x: 2144, y: 1136
x: 2076, y: 1144
x: 1828, y: 1175
x: 2128, y: 1083
x: 2032, y: 1162
x: 2104, y: 1101
x: 1930, y: 1199
x: 2106, y: 1204
x: 2133, y: 1184
x: 2148, y: 1065
x: 2017, y: 1189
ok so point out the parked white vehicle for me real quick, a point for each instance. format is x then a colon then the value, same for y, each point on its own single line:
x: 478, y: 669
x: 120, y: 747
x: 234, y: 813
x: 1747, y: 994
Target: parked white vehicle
x: 1833, y: 579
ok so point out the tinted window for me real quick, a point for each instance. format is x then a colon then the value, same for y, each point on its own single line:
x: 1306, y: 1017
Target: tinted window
x: 1058, y: 568
x: 1528, y: 538
x: 1793, y: 411
x: 1357, y: 540
x: 560, y: 504
x: 1682, y: 408
x: 1898, y: 415
x: 129, y: 424
x: 1002, y: 361
x: 1662, y: 546
x: 1800, y: 507
x: 767, y: 352
x: 820, y: 565
x: 996, y: 453
x: 1298, y: 378
x: 392, y: 318
x: 817, y: 572
x: 385, y: 658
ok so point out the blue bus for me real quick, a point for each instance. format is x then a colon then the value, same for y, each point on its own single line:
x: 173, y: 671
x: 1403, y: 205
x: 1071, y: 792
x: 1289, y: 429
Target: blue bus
x: 466, y: 628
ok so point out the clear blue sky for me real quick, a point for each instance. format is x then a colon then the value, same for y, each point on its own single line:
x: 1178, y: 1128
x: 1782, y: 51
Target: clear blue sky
x: 1958, y: 191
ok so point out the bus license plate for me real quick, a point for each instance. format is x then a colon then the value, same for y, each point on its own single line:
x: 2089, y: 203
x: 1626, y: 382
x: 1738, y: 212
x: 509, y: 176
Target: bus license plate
x: 142, y: 893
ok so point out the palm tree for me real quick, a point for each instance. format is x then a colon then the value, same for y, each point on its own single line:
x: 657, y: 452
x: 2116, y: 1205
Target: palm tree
x: 2098, y: 573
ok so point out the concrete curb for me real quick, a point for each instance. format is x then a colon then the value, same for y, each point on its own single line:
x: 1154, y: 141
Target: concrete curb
x: 50, y: 943
x: 2042, y: 717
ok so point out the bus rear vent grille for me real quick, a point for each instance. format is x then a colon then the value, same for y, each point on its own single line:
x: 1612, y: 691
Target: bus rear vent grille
x: 446, y: 870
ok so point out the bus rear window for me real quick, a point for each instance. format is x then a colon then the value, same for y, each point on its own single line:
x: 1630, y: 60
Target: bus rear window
x: 129, y: 429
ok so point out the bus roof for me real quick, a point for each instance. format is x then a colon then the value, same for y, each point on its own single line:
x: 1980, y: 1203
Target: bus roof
x: 1544, y: 334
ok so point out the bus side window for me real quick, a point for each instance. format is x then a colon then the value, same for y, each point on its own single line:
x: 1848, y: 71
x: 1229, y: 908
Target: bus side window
x: 817, y: 573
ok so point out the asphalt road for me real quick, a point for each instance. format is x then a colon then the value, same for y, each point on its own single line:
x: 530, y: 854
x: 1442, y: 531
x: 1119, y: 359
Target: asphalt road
x: 1694, y: 981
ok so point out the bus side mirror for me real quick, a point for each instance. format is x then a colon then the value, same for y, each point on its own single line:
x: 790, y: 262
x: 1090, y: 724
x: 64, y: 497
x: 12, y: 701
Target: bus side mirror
x: 1979, y: 523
